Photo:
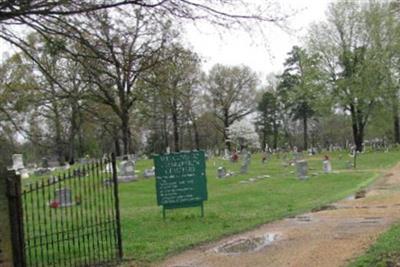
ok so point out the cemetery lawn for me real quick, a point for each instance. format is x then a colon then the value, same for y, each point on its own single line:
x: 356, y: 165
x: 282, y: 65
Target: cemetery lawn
x: 385, y: 252
x: 234, y: 206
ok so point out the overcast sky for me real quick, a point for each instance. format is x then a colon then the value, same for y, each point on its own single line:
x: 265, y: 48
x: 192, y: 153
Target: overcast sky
x: 233, y: 48
x: 240, y: 48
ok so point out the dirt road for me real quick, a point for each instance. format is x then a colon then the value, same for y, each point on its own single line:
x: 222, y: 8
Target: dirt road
x: 329, y: 237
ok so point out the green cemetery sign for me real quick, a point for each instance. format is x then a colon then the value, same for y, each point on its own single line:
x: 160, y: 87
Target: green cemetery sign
x: 181, y: 180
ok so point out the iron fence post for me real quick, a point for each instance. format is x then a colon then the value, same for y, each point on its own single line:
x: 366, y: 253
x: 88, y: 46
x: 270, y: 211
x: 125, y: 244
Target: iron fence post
x: 16, y: 218
x: 117, y: 211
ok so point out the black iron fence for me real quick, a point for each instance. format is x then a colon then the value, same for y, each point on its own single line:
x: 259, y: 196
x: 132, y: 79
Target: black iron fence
x: 72, y: 219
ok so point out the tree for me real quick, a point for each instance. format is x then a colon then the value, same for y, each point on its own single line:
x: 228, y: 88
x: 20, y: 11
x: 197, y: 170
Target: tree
x: 269, y: 117
x: 344, y: 47
x: 231, y: 94
x: 176, y: 81
x: 114, y: 53
x: 300, y: 80
x: 383, y: 29
x: 243, y: 133
x: 66, y: 25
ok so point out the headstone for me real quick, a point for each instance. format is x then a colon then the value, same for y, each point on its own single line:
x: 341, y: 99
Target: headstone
x: 296, y: 156
x: 168, y: 150
x: 83, y: 160
x: 246, y: 162
x: 109, y: 168
x: 221, y: 172
x: 53, y: 180
x: 67, y: 166
x: 302, y: 169
x: 148, y: 173
x: 45, y: 163
x: 53, y: 164
x: 127, y: 171
x: 62, y: 198
x: 327, y: 167
x: 18, y: 163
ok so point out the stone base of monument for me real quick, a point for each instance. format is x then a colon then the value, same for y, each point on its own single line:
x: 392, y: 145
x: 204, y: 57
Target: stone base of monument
x: 24, y: 173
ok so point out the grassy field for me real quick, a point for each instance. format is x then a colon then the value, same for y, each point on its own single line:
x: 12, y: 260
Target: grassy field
x: 235, y: 204
x: 385, y: 252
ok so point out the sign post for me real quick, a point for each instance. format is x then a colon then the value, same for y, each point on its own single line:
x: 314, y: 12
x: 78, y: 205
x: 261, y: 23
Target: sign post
x: 181, y: 180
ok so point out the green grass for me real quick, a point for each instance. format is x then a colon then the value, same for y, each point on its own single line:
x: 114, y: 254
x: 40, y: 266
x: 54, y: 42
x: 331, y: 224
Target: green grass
x: 384, y: 253
x: 233, y: 206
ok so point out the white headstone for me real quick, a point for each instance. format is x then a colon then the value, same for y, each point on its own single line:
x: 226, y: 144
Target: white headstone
x: 327, y: 167
x: 18, y: 162
x: 226, y: 154
x: 127, y: 172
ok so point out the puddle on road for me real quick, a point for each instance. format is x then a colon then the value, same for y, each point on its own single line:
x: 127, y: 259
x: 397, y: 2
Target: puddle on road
x: 244, y: 245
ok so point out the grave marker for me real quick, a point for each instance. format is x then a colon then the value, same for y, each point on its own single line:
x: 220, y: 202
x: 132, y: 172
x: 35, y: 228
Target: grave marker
x: 302, y: 169
x: 148, y: 173
x: 63, y: 197
x: 246, y: 162
x: 18, y: 163
x: 326, y: 165
x: 127, y: 172
x: 221, y: 172
x: 181, y: 180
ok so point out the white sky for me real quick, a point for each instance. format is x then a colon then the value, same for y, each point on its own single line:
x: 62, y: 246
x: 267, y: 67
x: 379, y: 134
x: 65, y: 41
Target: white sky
x: 240, y: 48
x: 235, y: 48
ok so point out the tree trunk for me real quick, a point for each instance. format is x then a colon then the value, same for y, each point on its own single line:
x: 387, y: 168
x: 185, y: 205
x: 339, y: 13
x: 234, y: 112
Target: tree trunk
x: 275, y: 125
x: 264, y: 135
x: 305, y: 132
x: 165, y: 131
x: 190, y: 137
x: 58, y: 138
x: 264, y: 139
x: 117, y: 147
x: 196, y: 135
x: 176, y: 130
x: 357, y: 126
x: 80, y: 136
x: 396, y: 124
x: 126, y: 133
x: 71, y: 139
x: 225, y: 134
